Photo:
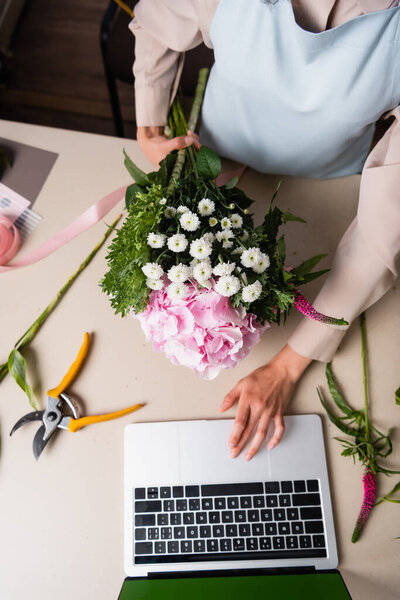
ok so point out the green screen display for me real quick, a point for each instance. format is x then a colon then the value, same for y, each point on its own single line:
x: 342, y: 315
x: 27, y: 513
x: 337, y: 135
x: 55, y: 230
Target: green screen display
x: 309, y: 586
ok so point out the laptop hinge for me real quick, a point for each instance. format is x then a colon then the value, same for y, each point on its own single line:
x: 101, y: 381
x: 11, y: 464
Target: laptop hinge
x: 231, y: 572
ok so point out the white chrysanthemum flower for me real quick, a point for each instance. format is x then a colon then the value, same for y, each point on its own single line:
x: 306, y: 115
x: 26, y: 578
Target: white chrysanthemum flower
x: 226, y: 223
x: 238, y: 250
x: 169, y: 212
x: 210, y: 237
x: 177, y: 242
x: 177, y: 291
x: 189, y: 221
x: 163, y: 201
x: 224, y: 236
x: 250, y: 257
x: 212, y: 221
x: 251, y: 292
x: 200, y: 248
x: 155, y: 284
x: 224, y: 269
x: 182, y: 209
x: 202, y: 271
x: 244, y: 236
x: 262, y: 263
x: 236, y: 221
x: 179, y: 273
x: 227, y: 285
x: 206, y: 207
x: 156, y: 240
x: 153, y: 270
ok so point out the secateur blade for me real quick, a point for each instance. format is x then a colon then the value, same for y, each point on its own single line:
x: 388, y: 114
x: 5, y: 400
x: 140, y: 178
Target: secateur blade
x: 33, y: 416
x: 39, y: 443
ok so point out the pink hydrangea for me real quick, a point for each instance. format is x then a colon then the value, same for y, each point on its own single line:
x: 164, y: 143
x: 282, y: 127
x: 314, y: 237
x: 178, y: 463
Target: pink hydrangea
x: 202, y: 332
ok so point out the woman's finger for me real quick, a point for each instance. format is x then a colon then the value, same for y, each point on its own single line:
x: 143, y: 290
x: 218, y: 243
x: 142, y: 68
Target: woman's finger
x: 240, y: 423
x: 246, y: 435
x: 196, y: 142
x: 259, y: 436
x: 279, y: 430
x: 178, y: 143
x: 230, y: 398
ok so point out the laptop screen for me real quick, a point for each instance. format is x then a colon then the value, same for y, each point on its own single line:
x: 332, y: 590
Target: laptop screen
x: 304, y: 586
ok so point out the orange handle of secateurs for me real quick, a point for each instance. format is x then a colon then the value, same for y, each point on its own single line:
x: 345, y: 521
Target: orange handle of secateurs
x: 76, y: 424
x: 73, y: 370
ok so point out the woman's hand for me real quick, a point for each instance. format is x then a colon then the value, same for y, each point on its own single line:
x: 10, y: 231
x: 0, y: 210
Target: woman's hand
x: 156, y: 146
x: 263, y: 396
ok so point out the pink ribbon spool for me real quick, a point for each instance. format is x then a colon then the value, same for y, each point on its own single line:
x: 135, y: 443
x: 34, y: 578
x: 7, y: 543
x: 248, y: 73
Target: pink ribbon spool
x: 10, y: 240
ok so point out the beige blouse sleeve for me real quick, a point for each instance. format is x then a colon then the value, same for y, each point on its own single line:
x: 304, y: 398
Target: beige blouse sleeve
x: 164, y: 30
x: 364, y: 266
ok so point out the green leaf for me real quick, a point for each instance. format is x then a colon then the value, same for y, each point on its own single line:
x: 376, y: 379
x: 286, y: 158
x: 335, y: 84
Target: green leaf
x: 307, y: 266
x: 17, y: 368
x: 138, y: 175
x: 232, y: 182
x: 314, y: 275
x: 288, y: 216
x: 208, y: 163
x: 397, y: 395
x: 130, y: 194
x: 276, y: 191
x: 338, y: 399
x: 335, y: 420
x: 282, y: 248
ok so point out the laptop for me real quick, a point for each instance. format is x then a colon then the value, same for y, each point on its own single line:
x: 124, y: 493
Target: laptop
x: 201, y: 524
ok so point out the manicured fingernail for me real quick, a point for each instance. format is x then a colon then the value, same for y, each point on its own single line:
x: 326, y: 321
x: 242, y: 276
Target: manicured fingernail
x: 231, y: 445
x: 248, y: 456
x: 233, y: 453
x: 271, y: 446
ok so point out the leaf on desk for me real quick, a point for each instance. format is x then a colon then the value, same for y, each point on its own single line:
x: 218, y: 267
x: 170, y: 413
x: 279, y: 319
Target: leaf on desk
x: 17, y: 368
x: 397, y: 395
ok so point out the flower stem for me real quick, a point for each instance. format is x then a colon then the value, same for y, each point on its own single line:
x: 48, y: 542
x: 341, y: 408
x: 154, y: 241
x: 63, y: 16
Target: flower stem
x: 30, y: 333
x: 365, y: 376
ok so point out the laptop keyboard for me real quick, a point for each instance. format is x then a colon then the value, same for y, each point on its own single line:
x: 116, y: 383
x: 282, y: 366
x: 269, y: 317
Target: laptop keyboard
x: 237, y: 521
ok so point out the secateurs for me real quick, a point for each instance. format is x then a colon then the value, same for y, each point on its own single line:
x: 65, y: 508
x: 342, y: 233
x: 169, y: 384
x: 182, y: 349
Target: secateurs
x: 54, y: 417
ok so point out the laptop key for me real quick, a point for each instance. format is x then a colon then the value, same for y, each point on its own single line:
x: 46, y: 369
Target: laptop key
x: 145, y: 520
x: 140, y: 534
x: 258, y: 502
x: 240, y: 515
x: 192, y: 491
x: 218, y: 530
x: 278, y: 542
x: 220, y: 503
x: 284, y: 528
x: 251, y: 543
x: 312, y: 485
x: 140, y: 493
x: 265, y: 543
x: 199, y: 546
x: 245, y: 502
x: 188, y: 518
x: 233, y: 502
x: 173, y: 547
x: 270, y: 529
x: 212, y: 545
x: 225, y: 545
x: 227, y: 516
x: 186, y: 546
x: 144, y: 548
x: 232, y: 530
x: 287, y: 487
x: 177, y: 491
x: 207, y: 504
x: 181, y: 505
x: 153, y: 533
x: 272, y: 487
x: 205, y: 531
x: 266, y: 515
x: 272, y: 501
x: 297, y: 527
x: 201, y: 517
x: 179, y: 532
x: 148, y: 506
x: 192, y: 532
x: 279, y: 514
x: 310, y: 512
x: 214, y: 517
x: 175, y: 518
x: 194, y: 504
x: 257, y: 529
x: 299, y: 486
x: 318, y: 541
x: 292, y: 542
x: 314, y: 527
x: 253, y: 516
x: 159, y: 547
x: 166, y: 533
x: 152, y: 492
x: 284, y: 500
x: 306, y: 499
x: 169, y: 505
x: 292, y: 514
x: 162, y: 519
x: 238, y: 544
x: 305, y: 541
x: 165, y: 492
x: 244, y: 530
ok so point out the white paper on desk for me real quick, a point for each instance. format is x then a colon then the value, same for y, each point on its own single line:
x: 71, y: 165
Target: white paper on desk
x: 15, y: 208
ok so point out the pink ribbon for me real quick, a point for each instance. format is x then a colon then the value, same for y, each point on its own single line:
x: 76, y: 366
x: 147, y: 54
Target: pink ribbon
x: 90, y: 217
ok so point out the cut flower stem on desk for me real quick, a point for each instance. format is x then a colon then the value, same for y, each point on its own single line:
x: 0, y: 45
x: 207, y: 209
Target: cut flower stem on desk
x: 16, y: 364
x: 370, y: 445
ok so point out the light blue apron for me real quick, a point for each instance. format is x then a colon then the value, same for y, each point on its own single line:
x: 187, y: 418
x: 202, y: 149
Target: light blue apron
x: 285, y: 100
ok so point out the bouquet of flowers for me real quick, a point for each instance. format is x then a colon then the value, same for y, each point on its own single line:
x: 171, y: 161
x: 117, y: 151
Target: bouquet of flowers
x: 189, y: 263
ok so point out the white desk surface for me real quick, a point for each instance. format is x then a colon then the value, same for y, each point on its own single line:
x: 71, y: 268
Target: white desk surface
x: 61, y: 519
